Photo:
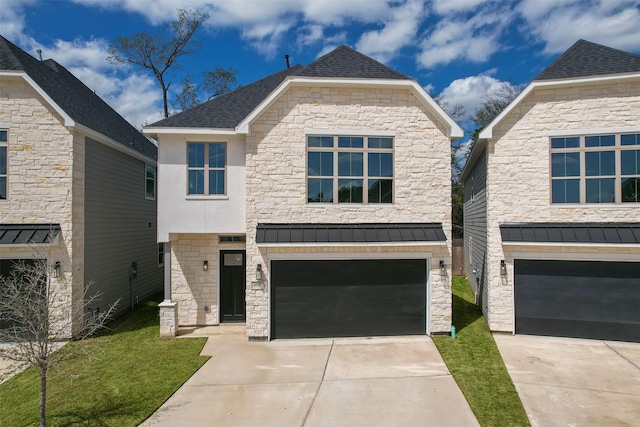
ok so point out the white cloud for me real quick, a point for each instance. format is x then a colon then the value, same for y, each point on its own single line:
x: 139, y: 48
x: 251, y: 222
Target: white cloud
x: 560, y: 24
x: 400, y: 30
x: 475, y: 39
x: 444, y: 7
x: 12, y: 20
x: 471, y: 92
x: 262, y: 23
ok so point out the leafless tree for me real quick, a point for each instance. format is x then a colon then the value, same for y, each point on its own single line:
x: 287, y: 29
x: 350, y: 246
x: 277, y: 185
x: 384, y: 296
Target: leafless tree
x: 158, y: 53
x: 35, y: 318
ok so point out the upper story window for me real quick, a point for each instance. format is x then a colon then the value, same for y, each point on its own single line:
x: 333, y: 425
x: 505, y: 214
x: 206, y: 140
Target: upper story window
x: 207, y: 168
x: 349, y: 169
x: 3, y: 163
x: 595, y: 169
x: 150, y: 182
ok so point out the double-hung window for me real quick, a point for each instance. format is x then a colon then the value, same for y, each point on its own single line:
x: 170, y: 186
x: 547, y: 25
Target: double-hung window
x: 207, y: 168
x: 3, y: 163
x: 595, y: 169
x: 349, y: 169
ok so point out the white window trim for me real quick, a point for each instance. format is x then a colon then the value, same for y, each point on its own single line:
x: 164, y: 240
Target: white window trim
x: 160, y: 255
x: 6, y: 176
x: 155, y: 181
x: 582, y: 149
x: 365, y: 150
x: 206, y: 169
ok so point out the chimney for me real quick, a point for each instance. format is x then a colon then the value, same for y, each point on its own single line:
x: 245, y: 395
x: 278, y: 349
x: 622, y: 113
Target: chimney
x: 286, y: 58
x: 40, y: 53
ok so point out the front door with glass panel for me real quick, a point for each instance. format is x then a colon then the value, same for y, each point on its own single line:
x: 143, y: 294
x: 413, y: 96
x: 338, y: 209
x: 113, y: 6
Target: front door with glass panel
x: 232, y: 286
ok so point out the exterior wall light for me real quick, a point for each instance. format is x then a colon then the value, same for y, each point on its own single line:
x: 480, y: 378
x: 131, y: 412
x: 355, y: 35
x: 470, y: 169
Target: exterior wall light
x: 57, y: 267
x: 259, y: 272
x: 205, y: 265
x: 442, y: 266
x: 476, y: 271
x: 503, y: 267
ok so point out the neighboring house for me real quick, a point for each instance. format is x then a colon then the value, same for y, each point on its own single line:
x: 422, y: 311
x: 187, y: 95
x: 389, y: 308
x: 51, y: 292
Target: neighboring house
x: 312, y: 203
x: 77, y: 185
x: 552, y: 202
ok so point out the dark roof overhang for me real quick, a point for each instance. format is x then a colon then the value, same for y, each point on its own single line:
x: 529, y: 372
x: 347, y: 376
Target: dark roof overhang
x: 28, y: 234
x: 426, y: 233
x: 571, y: 233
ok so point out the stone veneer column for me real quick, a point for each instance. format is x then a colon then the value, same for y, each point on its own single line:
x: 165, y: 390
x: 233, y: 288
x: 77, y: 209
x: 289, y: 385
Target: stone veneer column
x: 168, y: 318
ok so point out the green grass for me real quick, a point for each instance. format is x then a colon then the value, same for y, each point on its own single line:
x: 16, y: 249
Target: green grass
x: 125, y: 376
x: 476, y: 365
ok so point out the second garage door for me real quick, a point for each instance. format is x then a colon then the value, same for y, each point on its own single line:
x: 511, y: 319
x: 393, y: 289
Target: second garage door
x: 341, y: 298
x: 583, y: 299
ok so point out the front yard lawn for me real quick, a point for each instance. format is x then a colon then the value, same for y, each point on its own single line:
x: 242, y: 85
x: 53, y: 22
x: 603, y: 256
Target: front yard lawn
x: 129, y: 373
x: 476, y: 365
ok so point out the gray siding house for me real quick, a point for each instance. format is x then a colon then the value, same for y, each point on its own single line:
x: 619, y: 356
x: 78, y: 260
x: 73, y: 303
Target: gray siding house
x: 552, y: 202
x: 77, y: 186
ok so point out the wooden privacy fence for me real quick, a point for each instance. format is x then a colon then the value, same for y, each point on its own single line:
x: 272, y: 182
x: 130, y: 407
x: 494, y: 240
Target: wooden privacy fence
x: 457, y: 254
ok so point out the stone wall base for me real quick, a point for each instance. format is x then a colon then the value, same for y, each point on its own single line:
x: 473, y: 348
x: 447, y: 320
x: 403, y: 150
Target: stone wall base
x: 168, y: 318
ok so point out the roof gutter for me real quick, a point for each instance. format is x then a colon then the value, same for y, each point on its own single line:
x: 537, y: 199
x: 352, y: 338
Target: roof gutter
x: 154, y: 131
x: 97, y: 136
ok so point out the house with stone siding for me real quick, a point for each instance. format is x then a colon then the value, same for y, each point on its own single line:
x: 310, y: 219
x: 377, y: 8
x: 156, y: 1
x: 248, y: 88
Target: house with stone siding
x: 552, y: 202
x: 77, y: 187
x: 312, y: 203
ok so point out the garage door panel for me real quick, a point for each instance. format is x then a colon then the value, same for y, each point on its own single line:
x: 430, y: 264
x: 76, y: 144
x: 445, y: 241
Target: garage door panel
x: 585, y: 299
x: 348, y: 298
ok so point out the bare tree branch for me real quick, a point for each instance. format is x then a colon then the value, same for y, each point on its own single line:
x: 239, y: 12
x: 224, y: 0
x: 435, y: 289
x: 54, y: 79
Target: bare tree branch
x: 159, y: 53
x: 35, y: 318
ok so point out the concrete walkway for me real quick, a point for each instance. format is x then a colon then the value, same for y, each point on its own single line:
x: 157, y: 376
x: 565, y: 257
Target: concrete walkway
x: 574, y: 382
x: 344, y: 382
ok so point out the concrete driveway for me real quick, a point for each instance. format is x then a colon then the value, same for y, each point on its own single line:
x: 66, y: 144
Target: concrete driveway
x: 574, y: 382
x: 343, y: 382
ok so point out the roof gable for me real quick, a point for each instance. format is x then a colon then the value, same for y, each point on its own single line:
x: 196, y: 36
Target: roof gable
x: 585, y: 58
x: 74, y: 98
x: 234, y: 112
x: 345, y: 62
x: 584, y: 62
x: 228, y: 110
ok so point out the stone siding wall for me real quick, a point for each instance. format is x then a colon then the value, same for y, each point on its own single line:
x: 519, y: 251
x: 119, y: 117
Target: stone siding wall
x: 276, y: 175
x: 196, y: 290
x: 42, y: 180
x: 518, y: 172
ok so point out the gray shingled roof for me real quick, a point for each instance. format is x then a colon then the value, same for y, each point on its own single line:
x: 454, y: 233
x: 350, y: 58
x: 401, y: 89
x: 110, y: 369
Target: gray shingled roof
x: 345, y: 62
x: 593, y: 232
x: 349, y: 233
x: 227, y: 111
x: 585, y: 58
x: 76, y: 99
x: 26, y: 234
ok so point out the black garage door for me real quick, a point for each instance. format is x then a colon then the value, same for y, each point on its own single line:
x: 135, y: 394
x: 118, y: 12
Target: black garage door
x: 583, y: 299
x: 345, y: 298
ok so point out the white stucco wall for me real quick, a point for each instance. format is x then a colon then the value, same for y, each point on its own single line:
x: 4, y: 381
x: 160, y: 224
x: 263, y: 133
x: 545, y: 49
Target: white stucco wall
x: 518, y: 174
x: 179, y: 212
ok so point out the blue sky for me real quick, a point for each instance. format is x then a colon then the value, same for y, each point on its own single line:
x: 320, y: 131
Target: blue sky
x: 462, y: 49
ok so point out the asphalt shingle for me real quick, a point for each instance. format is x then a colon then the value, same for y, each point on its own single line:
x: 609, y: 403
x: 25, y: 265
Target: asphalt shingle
x: 227, y: 111
x: 77, y: 100
x: 585, y: 58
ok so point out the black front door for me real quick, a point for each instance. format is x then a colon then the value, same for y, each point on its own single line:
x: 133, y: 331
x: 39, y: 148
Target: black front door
x: 232, y: 286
